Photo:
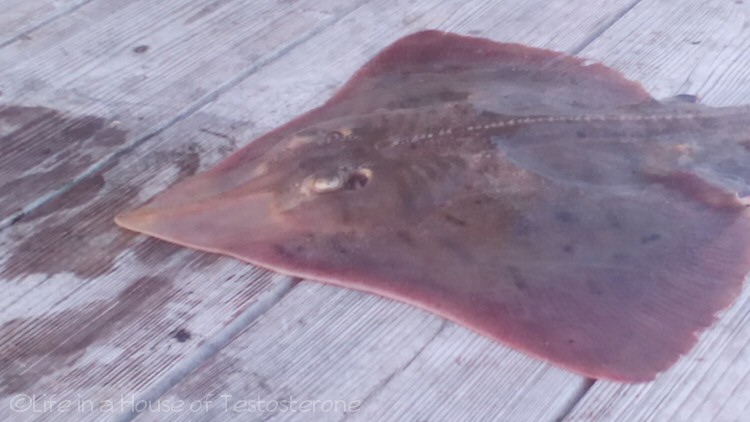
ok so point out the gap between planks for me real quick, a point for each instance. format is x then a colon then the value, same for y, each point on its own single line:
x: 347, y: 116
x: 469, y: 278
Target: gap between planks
x: 180, y: 116
x: 213, y: 345
x: 581, y: 392
x: 378, y: 388
x: 604, y: 28
x: 25, y: 32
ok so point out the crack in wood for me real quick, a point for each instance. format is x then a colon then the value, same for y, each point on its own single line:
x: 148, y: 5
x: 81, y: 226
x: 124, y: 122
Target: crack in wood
x: 607, y: 25
x: 382, y: 384
x: 212, y: 346
x: 580, y: 393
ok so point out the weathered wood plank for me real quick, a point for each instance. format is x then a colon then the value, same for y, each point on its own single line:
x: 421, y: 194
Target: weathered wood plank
x: 697, y: 48
x: 139, y: 65
x: 114, y: 337
x: 329, y: 346
x: 19, y: 17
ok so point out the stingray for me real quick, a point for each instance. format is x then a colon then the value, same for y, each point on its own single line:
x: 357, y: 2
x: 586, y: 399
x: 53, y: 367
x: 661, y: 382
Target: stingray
x: 544, y: 202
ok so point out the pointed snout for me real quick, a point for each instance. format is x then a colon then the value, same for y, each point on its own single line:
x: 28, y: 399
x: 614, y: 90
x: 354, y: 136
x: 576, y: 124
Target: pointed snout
x: 200, y: 215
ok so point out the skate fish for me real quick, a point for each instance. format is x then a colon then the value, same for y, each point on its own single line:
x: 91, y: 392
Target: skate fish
x: 547, y: 203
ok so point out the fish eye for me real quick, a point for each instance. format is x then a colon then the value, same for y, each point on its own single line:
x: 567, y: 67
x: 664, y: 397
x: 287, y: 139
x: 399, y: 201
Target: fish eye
x: 323, y: 184
x: 346, y: 180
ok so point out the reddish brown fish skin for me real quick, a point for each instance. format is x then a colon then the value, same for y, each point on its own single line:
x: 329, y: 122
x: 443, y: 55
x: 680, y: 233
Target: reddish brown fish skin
x: 553, y: 206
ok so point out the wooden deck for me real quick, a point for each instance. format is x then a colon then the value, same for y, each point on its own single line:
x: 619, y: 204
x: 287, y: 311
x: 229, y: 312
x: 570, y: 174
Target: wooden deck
x: 103, y: 103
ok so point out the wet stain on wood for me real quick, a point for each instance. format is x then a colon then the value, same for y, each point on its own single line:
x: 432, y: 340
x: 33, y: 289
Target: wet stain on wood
x: 31, y: 348
x: 154, y: 252
x: 42, y: 149
x: 81, y: 242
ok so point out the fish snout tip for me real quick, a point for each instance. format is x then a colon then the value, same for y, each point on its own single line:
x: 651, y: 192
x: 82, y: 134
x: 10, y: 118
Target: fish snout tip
x: 133, y: 220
